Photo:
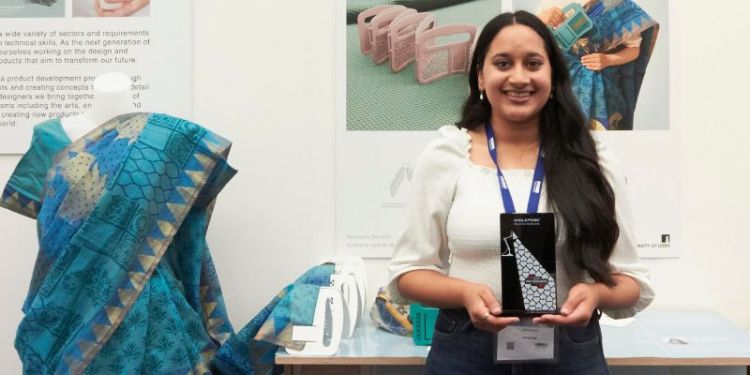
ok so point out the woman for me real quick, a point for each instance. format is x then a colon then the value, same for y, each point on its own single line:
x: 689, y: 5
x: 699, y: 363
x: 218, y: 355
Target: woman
x: 449, y: 253
x: 608, y: 63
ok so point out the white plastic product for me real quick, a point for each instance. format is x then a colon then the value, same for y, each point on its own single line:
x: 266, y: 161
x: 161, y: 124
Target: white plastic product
x: 356, y: 266
x: 347, y: 286
x: 324, y: 335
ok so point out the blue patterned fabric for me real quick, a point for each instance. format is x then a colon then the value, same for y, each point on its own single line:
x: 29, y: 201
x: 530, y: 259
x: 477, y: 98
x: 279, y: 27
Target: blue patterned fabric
x: 124, y: 282
x: 608, y: 97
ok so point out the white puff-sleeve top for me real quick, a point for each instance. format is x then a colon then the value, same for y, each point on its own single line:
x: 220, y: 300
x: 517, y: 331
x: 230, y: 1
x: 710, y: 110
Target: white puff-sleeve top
x: 452, y: 221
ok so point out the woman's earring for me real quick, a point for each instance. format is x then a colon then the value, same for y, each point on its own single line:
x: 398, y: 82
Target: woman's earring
x: 552, y: 93
x: 481, y: 96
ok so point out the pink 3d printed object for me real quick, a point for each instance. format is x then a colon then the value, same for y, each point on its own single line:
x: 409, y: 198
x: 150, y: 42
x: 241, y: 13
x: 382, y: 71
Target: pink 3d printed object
x: 402, y: 35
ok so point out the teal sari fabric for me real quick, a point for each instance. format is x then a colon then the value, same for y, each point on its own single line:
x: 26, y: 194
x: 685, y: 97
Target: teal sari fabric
x: 124, y: 282
x: 608, y: 97
x: 253, y: 348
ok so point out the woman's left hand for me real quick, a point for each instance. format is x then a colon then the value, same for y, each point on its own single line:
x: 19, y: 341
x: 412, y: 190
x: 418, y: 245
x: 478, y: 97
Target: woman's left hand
x: 583, y: 299
x: 596, y: 61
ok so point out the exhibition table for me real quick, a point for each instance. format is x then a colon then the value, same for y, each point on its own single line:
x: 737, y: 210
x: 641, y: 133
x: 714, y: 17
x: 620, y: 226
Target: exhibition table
x: 654, y: 338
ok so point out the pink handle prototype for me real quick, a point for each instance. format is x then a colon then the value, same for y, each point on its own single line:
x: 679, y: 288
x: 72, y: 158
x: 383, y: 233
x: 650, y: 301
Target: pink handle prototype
x: 403, y: 32
x: 364, y: 19
x: 379, y: 27
x: 438, y: 61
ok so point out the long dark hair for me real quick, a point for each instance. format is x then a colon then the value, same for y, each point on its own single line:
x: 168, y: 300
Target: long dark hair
x: 576, y: 187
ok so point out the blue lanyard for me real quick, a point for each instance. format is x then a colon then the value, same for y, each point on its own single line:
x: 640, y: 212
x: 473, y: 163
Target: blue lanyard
x: 536, y: 186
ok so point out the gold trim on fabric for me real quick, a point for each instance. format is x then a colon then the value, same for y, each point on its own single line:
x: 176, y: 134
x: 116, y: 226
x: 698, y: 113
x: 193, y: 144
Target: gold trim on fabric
x: 113, y: 313
x: 100, y: 331
x: 213, y: 323
x: 208, y: 308
x: 175, y: 208
x: 205, y: 161
x: 187, y: 193
x: 167, y: 228
x: 213, y: 147
x: 137, y: 279
x: 126, y: 295
x: 223, y: 337
x: 625, y: 35
x: 203, y: 292
x: 88, y: 347
x: 13, y: 203
x: 154, y: 243
x: 196, y: 176
x: 74, y: 365
x: 147, y: 261
x: 208, y: 354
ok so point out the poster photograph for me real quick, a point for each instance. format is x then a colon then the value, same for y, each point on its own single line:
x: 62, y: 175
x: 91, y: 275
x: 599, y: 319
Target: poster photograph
x: 403, y: 74
x: 399, y: 88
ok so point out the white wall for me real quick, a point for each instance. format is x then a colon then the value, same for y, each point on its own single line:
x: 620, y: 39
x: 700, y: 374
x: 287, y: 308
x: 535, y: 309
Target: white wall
x: 264, y: 78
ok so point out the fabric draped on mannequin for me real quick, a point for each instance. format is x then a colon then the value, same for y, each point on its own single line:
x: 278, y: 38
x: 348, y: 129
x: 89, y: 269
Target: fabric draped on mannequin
x: 124, y: 282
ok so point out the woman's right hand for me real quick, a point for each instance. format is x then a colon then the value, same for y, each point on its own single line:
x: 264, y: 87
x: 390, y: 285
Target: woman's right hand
x: 479, y: 300
x: 552, y: 17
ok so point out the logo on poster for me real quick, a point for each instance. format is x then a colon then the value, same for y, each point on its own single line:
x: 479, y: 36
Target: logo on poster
x: 396, y: 186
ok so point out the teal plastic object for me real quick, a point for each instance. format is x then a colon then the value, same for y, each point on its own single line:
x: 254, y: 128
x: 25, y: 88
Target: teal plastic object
x: 573, y: 27
x: 423, y: 319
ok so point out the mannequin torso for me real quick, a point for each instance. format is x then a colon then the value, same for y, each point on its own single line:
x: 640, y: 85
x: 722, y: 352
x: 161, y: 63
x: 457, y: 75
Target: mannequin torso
x: 112, y: 97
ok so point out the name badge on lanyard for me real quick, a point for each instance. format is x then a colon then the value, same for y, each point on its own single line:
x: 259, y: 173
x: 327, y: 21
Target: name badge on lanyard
x: 527, y: 246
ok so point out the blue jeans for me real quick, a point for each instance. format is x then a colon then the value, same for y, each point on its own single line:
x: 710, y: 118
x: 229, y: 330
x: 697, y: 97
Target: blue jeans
x: 460, y: 348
